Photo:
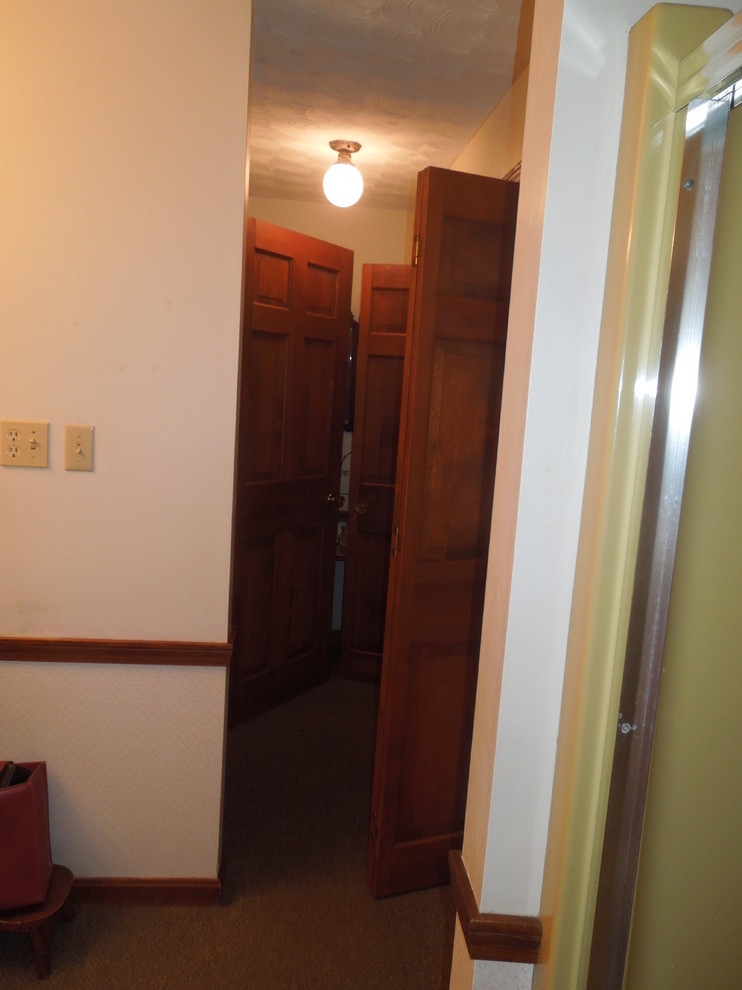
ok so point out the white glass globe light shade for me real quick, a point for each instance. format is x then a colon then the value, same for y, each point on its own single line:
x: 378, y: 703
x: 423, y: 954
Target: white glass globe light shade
x: 343, y: 184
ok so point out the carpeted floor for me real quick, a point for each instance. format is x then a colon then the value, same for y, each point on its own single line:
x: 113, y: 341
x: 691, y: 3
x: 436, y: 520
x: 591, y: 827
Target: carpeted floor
x: 296, y: 914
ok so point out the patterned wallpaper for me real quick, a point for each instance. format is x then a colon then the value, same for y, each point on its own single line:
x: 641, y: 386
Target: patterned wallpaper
x: 134, y: 762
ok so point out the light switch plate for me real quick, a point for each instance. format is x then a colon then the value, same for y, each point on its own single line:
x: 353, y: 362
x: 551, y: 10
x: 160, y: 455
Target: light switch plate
x: 78, y: 448
x: 24, y: 444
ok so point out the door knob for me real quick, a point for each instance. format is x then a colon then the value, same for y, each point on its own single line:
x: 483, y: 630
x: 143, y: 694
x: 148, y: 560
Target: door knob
x: 362, y: 508
x: 339, y: 499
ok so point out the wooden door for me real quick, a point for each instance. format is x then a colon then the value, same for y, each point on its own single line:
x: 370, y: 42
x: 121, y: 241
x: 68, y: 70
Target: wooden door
x: 443, y: 505
x: 373, y: 466
x: 292, y: 394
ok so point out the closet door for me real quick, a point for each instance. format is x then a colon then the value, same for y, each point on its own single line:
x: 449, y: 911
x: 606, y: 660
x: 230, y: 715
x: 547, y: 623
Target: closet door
x: 441, y: 527
x: 373, y: 466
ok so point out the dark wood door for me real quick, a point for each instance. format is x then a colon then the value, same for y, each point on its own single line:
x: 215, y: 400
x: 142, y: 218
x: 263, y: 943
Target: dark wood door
x: 373, y: 466
x: 443, y: 504
x: 292, y: 393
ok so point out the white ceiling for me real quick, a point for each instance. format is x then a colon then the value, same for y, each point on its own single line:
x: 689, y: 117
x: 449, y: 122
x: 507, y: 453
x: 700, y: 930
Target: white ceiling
x: 412, y: 80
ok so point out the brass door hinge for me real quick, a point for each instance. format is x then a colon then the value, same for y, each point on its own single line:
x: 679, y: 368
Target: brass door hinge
x: 396, y: 540
x: 416, y: 250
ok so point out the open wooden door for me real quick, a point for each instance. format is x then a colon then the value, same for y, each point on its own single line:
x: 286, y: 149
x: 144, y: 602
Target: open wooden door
x: 443, y: 504
x: 373, y: 466
x: 292, y: 395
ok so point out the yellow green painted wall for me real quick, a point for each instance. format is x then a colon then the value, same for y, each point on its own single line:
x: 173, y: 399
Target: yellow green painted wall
x: 685, y: 930
x: 631, y: 333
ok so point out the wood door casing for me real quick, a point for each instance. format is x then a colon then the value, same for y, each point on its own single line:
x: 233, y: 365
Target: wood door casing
x: 292, y: 394
x: 443, y: 505
x: 373, y: 467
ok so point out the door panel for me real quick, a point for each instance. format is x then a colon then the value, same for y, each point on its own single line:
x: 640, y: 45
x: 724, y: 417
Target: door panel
x: 314, y: 415
x: 295, y: 342
x: 379, y: 375
x: 438, y: 713
x: 462, y: 439
x: 267, y: 367
x: 443, y: 504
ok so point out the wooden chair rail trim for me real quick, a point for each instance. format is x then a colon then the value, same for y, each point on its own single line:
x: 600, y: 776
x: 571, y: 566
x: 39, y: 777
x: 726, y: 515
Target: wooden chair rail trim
x: 495, y: 937
x: 148, y: 891
x: 149, y: 652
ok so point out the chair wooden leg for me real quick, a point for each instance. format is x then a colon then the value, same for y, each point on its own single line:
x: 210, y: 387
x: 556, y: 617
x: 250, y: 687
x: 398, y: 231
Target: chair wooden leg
x: 41, y: 940
x: 38, y: 919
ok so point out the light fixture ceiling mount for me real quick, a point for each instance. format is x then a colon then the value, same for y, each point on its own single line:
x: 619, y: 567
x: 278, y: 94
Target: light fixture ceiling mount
x: 343, y: 183
x: 345, y: 149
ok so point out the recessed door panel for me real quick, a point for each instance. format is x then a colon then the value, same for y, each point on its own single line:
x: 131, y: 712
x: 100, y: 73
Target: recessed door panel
x: 370, y: 560
x: 272, y: 280
x: 257, y: 578
x: 464, y: 421
x: 314, y: 417
x: 435, y: 760
x: 322, y: 285
x: 267, y: 370
x: 381, y: 419
x: 476, y: 258
x: 389, y: 309
x: 307, y: 550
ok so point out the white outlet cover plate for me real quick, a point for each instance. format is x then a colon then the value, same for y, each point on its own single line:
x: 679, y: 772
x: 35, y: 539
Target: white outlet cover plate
x: 78, y: 448
x: 24, y: 443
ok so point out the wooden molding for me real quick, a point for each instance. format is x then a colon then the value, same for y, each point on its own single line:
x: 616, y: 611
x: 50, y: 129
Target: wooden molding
x: 148, y: 891
x: 501, y: 937
x: 150, y: 652
x: 514, y: 174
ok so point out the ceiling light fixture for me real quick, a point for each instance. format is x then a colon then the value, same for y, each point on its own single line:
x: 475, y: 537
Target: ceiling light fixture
x: 343, y: 183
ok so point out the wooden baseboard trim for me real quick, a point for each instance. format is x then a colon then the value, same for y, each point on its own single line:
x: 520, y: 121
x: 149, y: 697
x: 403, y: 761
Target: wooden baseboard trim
x: 496, y: 937
x: 133, y: 651
x: 145, y: 891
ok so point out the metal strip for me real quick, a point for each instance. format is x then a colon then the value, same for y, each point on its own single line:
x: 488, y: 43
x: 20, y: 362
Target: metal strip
x: 709, y: 69
x: 706, y: 124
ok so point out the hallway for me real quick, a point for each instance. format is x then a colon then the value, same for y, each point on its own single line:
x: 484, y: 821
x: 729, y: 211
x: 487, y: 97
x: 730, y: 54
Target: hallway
x: 295, y: 912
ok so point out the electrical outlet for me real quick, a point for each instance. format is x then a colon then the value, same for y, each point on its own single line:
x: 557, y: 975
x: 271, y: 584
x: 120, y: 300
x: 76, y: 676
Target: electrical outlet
x: 24, y: 444
x: 11, y: 436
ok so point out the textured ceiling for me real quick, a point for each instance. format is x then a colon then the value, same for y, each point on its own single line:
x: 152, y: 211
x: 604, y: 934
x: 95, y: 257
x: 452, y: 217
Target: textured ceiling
x: 412, y: 80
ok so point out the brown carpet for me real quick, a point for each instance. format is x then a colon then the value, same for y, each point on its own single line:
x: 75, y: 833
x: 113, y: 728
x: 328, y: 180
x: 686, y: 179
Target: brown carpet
x: 296, y: 914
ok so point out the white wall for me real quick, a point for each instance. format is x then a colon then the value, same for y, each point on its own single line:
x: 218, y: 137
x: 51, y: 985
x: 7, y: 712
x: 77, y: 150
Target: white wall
x: 122, y: 184
x: 497, y: 147
x: 122, y: 180
x: 569, y: 161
